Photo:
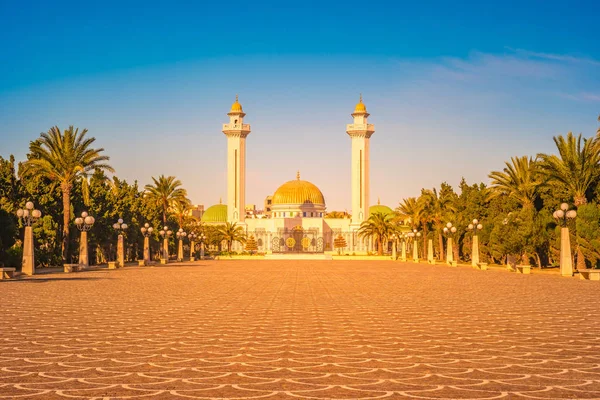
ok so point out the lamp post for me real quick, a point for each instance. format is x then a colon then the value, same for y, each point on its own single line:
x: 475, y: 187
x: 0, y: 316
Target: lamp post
x: 165, y: 233
x: 414, y: 235
x: 120, y: 227
x: 475, y: 227
x: 449, y: 230
x: 29, y: 215
x: 566, y: 262
x: 394, y: 238
x: 180, y: 235
x: 84, y: 224
x: 147, y: 231
x: 403, y: 238
x: 192, y: 237
x: 202, y: 238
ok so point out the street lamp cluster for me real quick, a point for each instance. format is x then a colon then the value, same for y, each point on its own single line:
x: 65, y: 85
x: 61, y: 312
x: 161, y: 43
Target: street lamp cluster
x: 146, y: 232
x: 475, y: 227
x: 165, y: 233
x: 29, y: 215
x: 181, y: 234
x: 202, y: 238
x: 84, y: 224
x: 414, y: 235
x: 563, y: 214
x: 450, y: 230
x: 120, y: 227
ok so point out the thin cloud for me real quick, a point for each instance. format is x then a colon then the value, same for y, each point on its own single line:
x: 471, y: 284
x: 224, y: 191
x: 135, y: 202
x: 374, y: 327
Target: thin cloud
x: 555, y: 57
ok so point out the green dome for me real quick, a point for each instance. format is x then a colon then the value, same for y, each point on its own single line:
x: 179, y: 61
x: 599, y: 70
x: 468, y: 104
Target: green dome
x: 216, y: 213
x: 385, y: 210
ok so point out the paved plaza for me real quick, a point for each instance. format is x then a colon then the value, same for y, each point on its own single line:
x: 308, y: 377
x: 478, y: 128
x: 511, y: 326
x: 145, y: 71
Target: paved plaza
x: 299, y: 330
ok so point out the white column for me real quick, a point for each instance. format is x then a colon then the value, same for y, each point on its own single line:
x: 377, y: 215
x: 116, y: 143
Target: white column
x: 83, y: 250
x: 475, y: 255
x: 566, y: 262
x: 147, y: 249
x: 28, y: 266
x: 120, y: 251
x: 449, y: 254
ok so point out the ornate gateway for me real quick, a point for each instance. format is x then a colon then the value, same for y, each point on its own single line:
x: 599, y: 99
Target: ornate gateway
x: 298, y: 240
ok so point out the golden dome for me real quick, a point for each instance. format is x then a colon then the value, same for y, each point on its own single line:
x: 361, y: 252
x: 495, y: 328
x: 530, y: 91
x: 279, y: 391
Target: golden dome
x: 298, y: 192
x: 360, y: 107
x: 236, y: 107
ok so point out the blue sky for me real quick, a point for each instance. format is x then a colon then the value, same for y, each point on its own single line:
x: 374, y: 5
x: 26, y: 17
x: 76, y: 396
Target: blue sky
x: 453, y: 89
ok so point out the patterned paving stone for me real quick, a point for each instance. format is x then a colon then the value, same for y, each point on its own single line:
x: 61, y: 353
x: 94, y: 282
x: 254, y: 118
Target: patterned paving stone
x: 299, y: 330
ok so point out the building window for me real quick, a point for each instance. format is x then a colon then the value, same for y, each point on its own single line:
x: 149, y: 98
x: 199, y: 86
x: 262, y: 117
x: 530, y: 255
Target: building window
x: 304, y: 214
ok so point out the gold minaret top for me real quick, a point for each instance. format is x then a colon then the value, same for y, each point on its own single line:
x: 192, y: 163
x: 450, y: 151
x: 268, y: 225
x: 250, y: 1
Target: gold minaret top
x: 236, y: 107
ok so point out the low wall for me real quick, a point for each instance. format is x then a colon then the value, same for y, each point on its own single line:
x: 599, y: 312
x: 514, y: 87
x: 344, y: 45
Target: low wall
x: 365, y: 258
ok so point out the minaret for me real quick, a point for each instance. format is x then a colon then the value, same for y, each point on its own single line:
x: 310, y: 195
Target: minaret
x: 360, y: 132
x: 236, y: 132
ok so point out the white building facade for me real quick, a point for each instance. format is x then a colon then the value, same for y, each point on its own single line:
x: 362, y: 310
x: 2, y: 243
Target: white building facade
x: 297, y: 220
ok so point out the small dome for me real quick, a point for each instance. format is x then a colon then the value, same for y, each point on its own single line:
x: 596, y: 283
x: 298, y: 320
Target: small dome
x: 298, y: 192
x: 216, y: 213
x: 360, y: 107
x: 236, y: 107
x: 379, y: 208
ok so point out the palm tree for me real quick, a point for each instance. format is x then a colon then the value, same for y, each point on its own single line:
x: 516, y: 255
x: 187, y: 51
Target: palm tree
x: 231, y: 232
x: 437, y: 207
x: 410, y: 209
x: 519, y: 180
x: 181, y: 210
x: 378, y: 226
x: 65, y: 158
x: 164, y: 193
x: 414, y: 210
x: 576, y: 166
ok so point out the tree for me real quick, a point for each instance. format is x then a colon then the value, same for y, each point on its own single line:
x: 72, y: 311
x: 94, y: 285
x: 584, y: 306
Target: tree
x: 575, y: 167
x: 438, y: 207
x: 65, y: 158
x: 378, y: 226
x: 588, y: 235
x: 413, y: 210
x: 519, y: 180
x: 164, y: 193
x: 336, y: 214
x: 410, y: 210
x: 339, y: 243
x: 182, y: 211
x: 231, y: 232
x: 251, y: 244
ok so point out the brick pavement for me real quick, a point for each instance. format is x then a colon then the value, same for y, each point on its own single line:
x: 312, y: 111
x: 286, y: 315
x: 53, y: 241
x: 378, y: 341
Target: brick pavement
x: 299, y: 330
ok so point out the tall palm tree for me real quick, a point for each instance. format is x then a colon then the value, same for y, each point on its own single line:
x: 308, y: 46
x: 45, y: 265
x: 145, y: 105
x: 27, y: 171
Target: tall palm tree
x: 575, y: 167
x: 182, y: 211
x: 520, y: 180
x: 438, y: 207
x: 164, y: 193
x: 231, y: 232
x: 378, y: 226
x: 414, y: 209
x: 410, y: 209
x: 65, y: 158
